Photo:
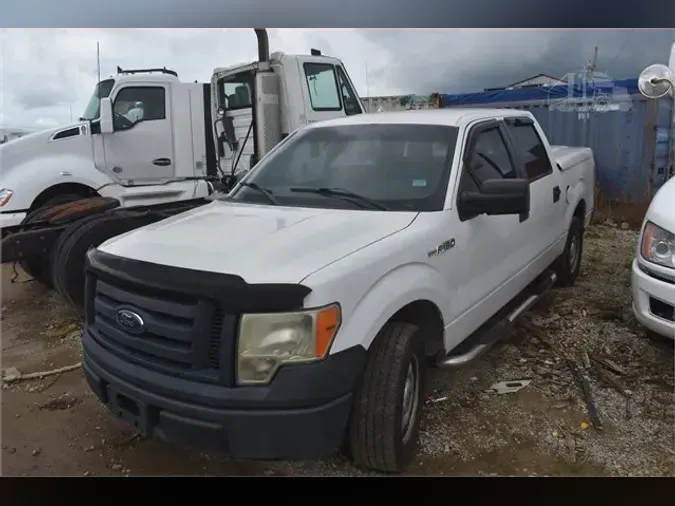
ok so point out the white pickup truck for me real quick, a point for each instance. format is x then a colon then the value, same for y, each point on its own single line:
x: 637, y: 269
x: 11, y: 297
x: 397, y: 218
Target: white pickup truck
x: 301, y: 311
x: 653, y: 270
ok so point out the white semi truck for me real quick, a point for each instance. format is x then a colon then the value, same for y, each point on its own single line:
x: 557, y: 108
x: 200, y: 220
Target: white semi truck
x: 150, y: 145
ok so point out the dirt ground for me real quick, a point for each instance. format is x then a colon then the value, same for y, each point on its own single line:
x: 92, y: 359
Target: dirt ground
x: 55, y: 426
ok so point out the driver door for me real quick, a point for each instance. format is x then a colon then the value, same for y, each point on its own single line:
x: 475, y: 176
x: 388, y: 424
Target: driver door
x: 141, y: 149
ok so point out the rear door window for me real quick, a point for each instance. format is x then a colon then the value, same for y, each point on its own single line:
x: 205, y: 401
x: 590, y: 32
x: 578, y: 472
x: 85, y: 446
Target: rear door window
x: 530, y: 150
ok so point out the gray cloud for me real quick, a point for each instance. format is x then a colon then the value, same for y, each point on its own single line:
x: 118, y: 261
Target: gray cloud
x: 46, y: 74
x: 471, y: 60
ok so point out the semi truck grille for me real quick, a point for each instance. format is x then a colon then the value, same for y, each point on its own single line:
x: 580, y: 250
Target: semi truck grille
x: 172, y: 333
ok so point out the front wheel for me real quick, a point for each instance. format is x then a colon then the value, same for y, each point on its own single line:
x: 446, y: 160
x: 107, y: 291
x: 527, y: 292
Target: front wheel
x: 384, y: 426
x: 568, y: 265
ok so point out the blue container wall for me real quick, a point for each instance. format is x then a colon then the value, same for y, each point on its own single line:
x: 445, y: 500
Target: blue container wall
x: 665, y: 144
x: 633, y: 146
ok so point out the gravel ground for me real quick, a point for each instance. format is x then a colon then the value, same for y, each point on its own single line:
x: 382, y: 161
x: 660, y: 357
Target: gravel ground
x: 54, y: 426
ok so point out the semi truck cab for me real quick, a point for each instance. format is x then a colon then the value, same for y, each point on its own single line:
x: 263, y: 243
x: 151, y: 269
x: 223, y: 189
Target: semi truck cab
x: 146, y: 137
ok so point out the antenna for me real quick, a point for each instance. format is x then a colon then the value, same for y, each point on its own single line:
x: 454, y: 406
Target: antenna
x: 593, y: 63
x: 98, y: 72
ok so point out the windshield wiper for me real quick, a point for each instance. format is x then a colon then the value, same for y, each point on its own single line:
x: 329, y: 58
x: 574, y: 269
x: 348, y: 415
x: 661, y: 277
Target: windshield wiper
x: 262, y: 190
x: 340, y: 193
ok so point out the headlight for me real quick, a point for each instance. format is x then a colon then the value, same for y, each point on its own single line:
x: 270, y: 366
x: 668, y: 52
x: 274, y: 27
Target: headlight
x: 267, y: 341
x: 5, y: 195
x: 658, y: 246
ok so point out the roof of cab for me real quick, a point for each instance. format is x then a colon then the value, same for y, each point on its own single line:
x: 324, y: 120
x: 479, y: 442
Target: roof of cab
x: 445, y: 117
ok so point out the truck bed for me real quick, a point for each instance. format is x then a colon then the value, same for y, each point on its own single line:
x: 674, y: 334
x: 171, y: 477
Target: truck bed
x: 567, y: 156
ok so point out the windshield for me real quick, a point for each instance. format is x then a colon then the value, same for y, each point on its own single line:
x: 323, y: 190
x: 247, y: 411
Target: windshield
x: 102, y: 90
x: 405, y: 167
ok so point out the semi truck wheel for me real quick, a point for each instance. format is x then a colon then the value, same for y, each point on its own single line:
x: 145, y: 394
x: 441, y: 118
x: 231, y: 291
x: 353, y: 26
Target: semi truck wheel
x: 385, y: 420
x: 568, y: 265
x: 69, y: 253
x: 38, y: 267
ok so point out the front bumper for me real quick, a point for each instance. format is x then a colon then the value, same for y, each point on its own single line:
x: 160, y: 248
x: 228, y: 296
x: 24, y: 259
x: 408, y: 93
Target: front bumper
x: 653, y: 302
x: 301, y: 415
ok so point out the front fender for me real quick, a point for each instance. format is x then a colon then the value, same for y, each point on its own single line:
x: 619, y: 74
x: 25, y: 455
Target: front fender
x: 30, y: 179
x: 363, y: 318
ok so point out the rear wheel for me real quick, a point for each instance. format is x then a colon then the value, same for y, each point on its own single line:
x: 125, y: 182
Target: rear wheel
x: 385, y: 420
x: 69, y: 253
x: 568, y: 265
x: 38, y: 266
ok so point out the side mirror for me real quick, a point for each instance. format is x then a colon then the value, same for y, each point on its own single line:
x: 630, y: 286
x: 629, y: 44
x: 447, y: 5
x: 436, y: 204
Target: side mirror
x: 106, y: 116
x: 656, y: 81
x: 497, y: 197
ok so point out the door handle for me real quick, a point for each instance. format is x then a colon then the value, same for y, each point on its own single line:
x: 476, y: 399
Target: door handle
x: 162, y: 162
x: 556, y: 194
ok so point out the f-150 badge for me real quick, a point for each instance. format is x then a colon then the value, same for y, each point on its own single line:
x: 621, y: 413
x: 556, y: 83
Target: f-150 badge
x: 442, y: 248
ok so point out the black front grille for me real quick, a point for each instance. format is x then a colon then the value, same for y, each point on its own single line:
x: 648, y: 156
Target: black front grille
x: 182, y: 335
x: 661, y: 309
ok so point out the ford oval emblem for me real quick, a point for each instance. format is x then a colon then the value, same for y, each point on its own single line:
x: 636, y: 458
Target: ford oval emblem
x: 130, y: 321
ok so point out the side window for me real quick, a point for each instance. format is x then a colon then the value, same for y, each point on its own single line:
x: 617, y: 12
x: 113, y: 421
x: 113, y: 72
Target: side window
x: 323, y: 88
x: 489, y: 159
x: 348, y: 96
x: 531, y: 150
x: 235, y: 92
x: 136, y: 103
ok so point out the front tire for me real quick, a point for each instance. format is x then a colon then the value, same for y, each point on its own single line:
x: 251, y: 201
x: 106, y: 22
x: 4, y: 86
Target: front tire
x: 385, y: 420
x: 568, y: 265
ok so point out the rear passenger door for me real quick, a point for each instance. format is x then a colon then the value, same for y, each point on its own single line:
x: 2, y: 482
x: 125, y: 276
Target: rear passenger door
x: 547, y: 206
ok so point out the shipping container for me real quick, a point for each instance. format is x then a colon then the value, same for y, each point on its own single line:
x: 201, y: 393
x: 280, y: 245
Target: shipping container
x: 632, y: 137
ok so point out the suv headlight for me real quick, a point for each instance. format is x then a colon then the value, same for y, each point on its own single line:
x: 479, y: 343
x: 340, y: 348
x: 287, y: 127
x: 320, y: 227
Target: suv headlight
x: 270, y: 340
x: 658, y: 246
x: 5, y: 195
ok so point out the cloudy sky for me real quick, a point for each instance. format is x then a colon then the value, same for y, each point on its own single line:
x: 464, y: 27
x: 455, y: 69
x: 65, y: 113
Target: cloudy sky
x: 47, y: 73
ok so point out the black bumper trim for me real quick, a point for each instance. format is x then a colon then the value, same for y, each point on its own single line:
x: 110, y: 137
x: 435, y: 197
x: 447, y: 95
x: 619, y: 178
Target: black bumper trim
x: 302, y: 414
x: 299, y: 434
x: 296, y: 386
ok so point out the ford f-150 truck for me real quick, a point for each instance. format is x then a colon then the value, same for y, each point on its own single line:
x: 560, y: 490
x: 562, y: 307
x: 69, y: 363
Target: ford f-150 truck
x: 653, y: 270
x: 299, y: 313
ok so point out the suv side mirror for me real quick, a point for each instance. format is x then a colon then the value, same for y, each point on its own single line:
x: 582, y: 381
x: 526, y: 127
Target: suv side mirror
x: 497, y: 197
x: 106, y: 116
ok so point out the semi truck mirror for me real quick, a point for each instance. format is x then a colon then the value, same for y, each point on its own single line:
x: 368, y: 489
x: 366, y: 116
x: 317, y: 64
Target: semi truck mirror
x: 106, y: 116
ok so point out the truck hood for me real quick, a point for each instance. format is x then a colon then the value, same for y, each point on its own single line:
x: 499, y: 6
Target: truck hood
x: 661, y: 211
x: 262, y: 244
x: 16, y: 152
